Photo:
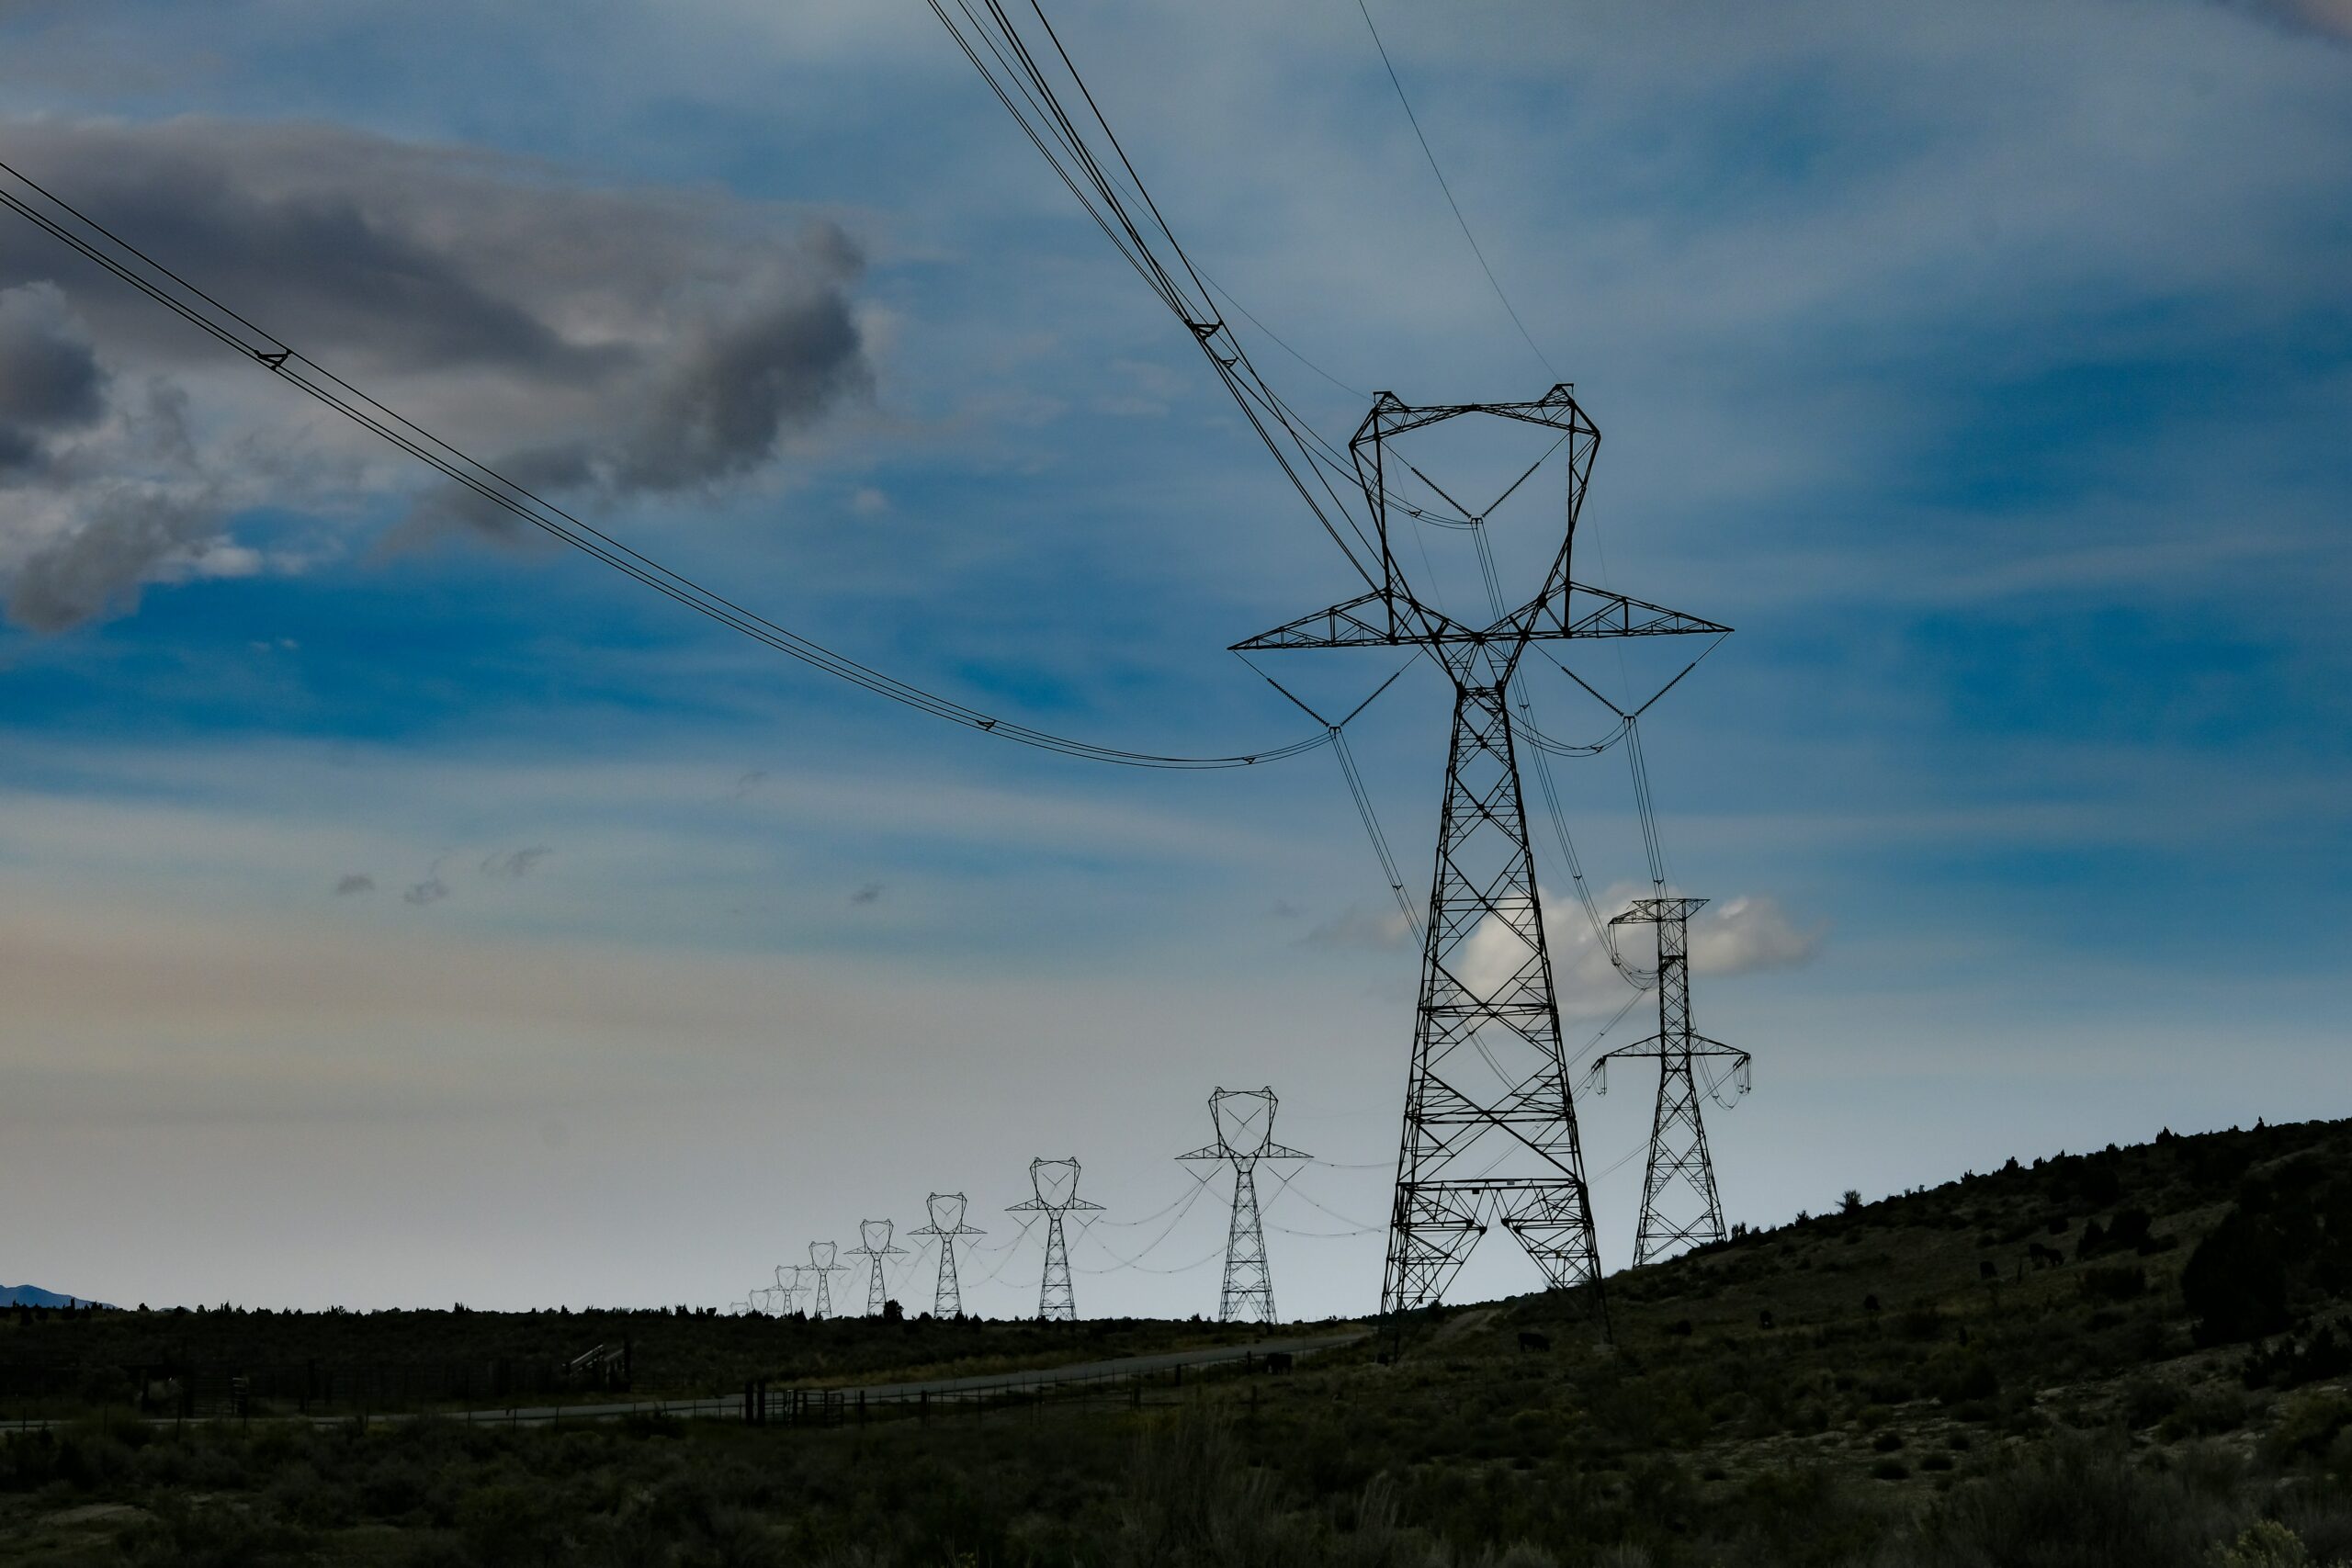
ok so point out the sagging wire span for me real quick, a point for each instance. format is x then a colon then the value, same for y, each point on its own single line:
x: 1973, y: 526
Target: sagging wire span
x: 1357, y: 791
x: 1200, y: 1185
x: 1011, y: 1248
x: 1285, y: 1183
x: 62, y: 221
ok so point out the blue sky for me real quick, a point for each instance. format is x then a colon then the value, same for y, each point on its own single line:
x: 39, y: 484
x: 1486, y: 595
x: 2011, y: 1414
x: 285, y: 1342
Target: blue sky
x: 1989, y: 368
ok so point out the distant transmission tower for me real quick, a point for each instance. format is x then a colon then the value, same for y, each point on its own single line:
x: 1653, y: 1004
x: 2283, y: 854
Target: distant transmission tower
x: 821, y: 1264
x: 1489, y: 1125
x: 874, y: 1245
x: 1680, y: 1206
x: 788, y: 1286
x: 1244, y: 1120
x: 1056, y: 1183
x: 947, y: 1223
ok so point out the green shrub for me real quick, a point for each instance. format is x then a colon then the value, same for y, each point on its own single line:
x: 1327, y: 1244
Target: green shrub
x: 2235, y: 1282
x: 2266, y: 1544
x: 2306, y: 1425
x: 2067, y: 1506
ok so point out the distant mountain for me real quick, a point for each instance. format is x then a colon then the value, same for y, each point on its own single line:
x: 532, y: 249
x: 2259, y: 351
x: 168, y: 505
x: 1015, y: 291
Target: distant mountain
x: 34, y: 1296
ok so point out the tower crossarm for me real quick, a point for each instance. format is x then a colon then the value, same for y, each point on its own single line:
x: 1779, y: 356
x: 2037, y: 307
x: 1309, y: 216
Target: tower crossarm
x: 1386, y: 617
x: 1391, y: 618
x: 1695, y: 1048
x: 1577, y: 610
x: 1268, y: 1151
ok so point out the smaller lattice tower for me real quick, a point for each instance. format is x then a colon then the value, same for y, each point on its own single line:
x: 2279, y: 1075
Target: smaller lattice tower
x: 874, y: 1245
x: 1244, y: 1120
x: 1679, y: 1205
x: 947, y: 1223
x: 821, y: 1264
x: 788, y: 1286
x: 1056, y: 1183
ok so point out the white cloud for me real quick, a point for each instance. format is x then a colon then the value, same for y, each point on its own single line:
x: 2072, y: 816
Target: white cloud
x: 1741, y: 935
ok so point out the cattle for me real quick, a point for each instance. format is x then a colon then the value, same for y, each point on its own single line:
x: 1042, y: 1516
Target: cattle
x: 1869, y: 1304
x: 1987, y: 1270
x: 1278, y: 1361
x: 2045, y: 1256
x: 1764, y: 1318
x: 1680, y: 1327
x: 1531, y: 1340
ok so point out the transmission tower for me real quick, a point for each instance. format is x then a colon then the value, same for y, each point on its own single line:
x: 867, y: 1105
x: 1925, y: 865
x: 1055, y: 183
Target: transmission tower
x: 1680, y: 1206
x: 1055, y: 1181
x: 788, y: 1286
x: 947, y: 1223
x: 1502, y: 1141
x: 874, y: 1245
x: 821, y: 1264
x: 1244, y: 1120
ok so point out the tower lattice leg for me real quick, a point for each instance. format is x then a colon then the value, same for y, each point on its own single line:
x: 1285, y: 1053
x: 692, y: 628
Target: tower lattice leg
x: 947, y: 1295
x: 1249, y: 1280
x: 1056, y: 1300
x: 1489, y: 1126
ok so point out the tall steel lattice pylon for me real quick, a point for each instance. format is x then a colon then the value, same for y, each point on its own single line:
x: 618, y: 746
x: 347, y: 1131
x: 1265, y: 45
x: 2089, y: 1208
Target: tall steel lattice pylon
x: 946, y: 1211
x: 820, y: 1263
x: 1244, y: 1120
x: 1680, y: 1204
x: 874, y: 1245
x: 1055, y: 1181
x: 1489, y: 1122
x: 788, y: 1285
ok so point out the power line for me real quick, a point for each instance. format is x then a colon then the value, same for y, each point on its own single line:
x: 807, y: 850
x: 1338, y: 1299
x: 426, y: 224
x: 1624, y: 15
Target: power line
x: 135, y: 267
x: 1441, y: 185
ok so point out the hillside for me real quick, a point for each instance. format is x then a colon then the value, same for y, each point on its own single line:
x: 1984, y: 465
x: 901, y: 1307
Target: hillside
x: 2129, y: 1357
x: 34, y: 1296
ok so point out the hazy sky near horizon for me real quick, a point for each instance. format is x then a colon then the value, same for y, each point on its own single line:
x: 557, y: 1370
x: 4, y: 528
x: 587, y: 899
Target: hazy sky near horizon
x: 396, y: 912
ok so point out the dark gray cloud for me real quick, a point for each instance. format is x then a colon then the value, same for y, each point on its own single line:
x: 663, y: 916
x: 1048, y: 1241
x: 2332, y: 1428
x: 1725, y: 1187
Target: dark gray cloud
x: 740, y: 386
x: 432, y: 890
x: 354, y: 882
x: 596, y: 342
x: 92, y: 513
x: 49, y: 377
x: 869, y: 894
x: 515, y: 862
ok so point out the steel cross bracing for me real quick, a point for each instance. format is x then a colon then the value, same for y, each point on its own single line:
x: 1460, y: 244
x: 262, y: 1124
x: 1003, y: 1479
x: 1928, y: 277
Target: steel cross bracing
x: 874, y: 1245
x: 1055, y: 1181
x: 821, y: 1264
x: 1489, y: 1125
x: 1679, y: 1205
x: 1244, y: 1120
x: 947, y: 1212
